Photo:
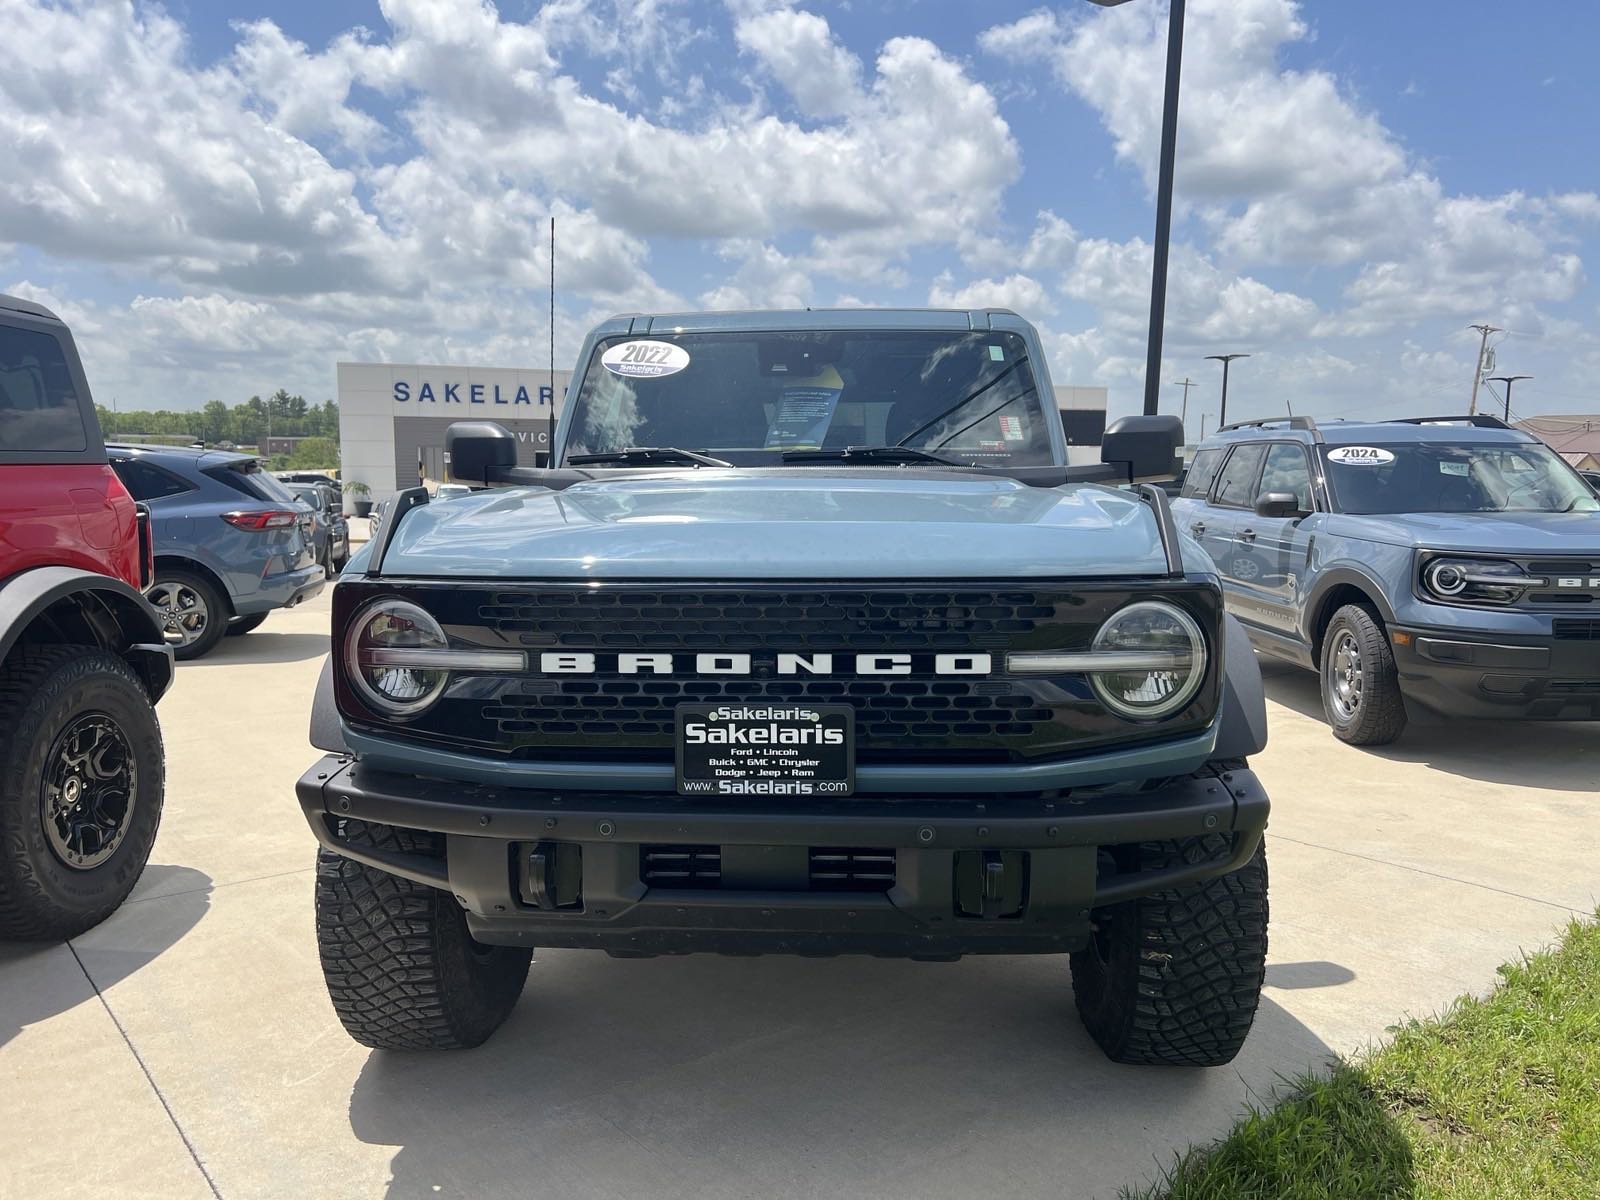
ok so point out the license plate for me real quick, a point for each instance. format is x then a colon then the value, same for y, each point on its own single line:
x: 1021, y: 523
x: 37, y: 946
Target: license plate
x: 766, y: 749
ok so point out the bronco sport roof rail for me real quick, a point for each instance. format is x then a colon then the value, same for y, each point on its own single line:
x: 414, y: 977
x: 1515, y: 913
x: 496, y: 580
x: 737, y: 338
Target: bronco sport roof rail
x: 1287, y: 422
x: 1479, y: 420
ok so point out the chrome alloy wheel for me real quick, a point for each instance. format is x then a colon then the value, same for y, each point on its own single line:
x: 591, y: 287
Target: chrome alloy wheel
x: 1344, y: 676
x: 183, y: 610
x: 86, y: 797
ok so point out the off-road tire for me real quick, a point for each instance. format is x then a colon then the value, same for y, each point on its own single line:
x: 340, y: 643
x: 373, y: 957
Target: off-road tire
x: 43, y: 691
x: 1380, y: 716
x: 1174, y: 979
x: 219, y: 610
x: 401, y: 968
x: 240, y: 626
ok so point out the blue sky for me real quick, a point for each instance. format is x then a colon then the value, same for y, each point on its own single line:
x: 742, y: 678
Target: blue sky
x: 226, y: 197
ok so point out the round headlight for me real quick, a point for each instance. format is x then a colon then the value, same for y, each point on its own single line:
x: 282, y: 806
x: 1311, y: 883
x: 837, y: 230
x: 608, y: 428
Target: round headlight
x: 383, y: 678
x: 1447, y: 579
x: 1167, y: 637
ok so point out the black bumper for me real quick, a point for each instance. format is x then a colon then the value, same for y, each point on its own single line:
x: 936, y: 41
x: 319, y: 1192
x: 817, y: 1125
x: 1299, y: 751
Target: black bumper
x: 991, y: 875
x: 1487, y: 677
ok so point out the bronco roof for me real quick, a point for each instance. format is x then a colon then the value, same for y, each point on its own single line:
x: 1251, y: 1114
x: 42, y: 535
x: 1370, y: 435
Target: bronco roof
x: 27, y: 307
x: 813, y: 318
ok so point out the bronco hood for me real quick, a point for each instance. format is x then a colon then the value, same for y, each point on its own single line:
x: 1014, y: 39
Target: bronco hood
x: 1537, y: 533
x: 799, y: 523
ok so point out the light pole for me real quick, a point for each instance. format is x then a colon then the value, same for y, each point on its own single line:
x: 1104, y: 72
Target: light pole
x: 1225, y: 360
x: 1508, y: 380
x: 1169, y: 154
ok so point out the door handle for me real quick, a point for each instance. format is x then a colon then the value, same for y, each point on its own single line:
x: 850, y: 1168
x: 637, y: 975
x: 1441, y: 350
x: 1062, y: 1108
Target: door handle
x: 1247, y: 535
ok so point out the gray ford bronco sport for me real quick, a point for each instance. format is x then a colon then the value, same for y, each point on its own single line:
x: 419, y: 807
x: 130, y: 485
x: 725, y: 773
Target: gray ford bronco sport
x: 1445, y: 563
x: 807, y: 641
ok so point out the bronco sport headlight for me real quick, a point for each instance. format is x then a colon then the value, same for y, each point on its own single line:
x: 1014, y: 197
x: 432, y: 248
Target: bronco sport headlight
x: 1476, y: 580
x: 1147, y: 661
x: 400, y: 660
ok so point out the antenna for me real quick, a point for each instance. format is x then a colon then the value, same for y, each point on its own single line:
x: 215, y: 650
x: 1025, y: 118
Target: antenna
x: 550, y: 447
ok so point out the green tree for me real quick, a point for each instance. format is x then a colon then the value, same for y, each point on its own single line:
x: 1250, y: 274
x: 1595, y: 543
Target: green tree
x: 315, y: 453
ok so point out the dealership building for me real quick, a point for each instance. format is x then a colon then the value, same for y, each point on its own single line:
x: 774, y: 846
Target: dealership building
x: 392, y: 416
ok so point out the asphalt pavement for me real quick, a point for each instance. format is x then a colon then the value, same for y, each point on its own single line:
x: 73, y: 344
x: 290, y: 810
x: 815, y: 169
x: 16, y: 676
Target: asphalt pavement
x: 186, y: 1047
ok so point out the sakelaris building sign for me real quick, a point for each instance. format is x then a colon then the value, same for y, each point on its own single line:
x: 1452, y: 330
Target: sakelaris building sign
x: 473, y: 393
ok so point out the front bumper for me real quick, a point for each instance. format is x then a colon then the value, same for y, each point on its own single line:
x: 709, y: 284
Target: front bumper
x: 1488, y: 675
x: 567, y: 869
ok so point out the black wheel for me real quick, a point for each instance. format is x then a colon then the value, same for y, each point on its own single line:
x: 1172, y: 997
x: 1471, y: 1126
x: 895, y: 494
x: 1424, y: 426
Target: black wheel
x: 1175, y: 978
x: 401, y: 968
x: 1360, y: 686
x: 81, y: 784
x: 243, y: 625
x: 190, y: 607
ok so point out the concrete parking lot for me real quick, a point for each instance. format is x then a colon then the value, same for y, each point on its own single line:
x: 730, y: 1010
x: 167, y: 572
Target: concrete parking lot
x: 186, y: 1046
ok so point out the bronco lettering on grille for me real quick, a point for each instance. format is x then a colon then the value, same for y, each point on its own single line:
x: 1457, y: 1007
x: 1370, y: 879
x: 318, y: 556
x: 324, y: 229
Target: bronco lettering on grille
x: 585, y: 662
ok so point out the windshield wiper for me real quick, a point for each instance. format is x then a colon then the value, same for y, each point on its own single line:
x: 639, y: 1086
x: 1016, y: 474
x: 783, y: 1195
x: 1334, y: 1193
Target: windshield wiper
x: 869, y: 454
x: 645, y: 456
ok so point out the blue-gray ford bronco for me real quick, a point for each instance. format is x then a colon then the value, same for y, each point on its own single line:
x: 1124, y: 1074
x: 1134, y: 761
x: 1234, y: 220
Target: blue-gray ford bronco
x: 1450, y: 563
x: 806, y: 640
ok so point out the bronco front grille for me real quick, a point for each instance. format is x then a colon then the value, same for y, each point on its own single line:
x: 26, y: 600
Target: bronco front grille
x: 606, y: 715
x: 827, y: 869
x: 625, y: 619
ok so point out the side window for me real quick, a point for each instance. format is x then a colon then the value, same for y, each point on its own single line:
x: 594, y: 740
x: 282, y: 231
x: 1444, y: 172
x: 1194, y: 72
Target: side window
x: 38, y: 404
x: 1236, y: 485
x: 1201, y: 472
x: 1287, y: 471
x: 145, y: 482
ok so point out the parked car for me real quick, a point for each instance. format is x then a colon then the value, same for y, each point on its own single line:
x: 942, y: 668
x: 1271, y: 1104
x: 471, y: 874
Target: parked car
x: 316, y: 477
x: 82, y: 658
x: 331, y: 533
x: 1451, y: 564
x: 821, y: 647
x: 231, y: 542
x: 375, y: 520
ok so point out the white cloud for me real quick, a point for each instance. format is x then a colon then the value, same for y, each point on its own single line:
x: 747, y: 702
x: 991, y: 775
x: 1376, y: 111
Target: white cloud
x: 798, y: 50
x: 1017, y: 292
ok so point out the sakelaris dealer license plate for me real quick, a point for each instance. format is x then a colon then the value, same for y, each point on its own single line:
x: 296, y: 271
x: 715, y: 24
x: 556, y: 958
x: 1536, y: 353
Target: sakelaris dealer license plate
x: 766, y: 749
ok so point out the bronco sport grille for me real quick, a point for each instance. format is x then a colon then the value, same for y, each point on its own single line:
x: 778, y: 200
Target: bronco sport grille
x: 605, y: 715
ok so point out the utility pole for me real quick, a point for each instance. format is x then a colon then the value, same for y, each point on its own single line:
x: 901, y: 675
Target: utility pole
x: 1183, y: 416
x: 1203, y: 417
x: 1477, y: 371
x: 1508, y: 380
x: 1226, y: 360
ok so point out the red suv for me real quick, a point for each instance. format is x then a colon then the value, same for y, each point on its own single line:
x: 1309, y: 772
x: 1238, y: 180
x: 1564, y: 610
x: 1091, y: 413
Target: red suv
x: 82, y: 658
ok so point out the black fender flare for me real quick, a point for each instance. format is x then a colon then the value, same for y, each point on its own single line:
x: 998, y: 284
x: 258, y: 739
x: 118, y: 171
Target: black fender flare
x: 1242, y: 722
x: 1335, y: 577
x: 26, y: 595
x: 327, y: 731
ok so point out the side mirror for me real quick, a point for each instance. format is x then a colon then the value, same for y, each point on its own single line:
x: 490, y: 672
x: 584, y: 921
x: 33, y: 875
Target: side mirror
x: 1147, y: 447
x: 1278, y: 504
x: 476, y: 450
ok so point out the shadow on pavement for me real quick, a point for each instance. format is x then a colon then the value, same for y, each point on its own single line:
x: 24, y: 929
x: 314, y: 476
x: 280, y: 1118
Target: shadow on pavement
x: 1557, y: 755
x: 262, y: 646
x: 39, y: 980
x: 707, y: 1076
x: 1296, y: 976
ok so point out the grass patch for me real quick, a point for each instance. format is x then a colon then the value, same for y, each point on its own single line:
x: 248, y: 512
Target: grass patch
x: 1496, y: 1099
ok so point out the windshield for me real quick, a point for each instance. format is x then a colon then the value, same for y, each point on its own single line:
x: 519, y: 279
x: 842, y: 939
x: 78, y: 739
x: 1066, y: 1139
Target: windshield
x: 1440, y: 477
x: 747, y: 397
